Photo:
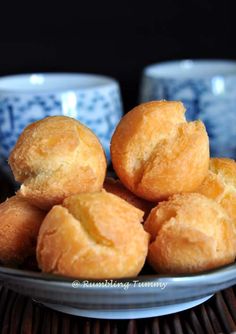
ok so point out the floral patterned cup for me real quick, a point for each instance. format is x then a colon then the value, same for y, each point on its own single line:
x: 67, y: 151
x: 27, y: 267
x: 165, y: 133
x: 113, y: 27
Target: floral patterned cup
x: 92, y: 99
x: 208, y: 90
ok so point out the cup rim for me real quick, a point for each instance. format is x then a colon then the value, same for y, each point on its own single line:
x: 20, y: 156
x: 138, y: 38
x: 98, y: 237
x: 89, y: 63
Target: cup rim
x: 157, y: 70
x: 97, y: 81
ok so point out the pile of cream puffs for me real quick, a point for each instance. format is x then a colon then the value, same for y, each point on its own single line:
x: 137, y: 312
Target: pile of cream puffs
x: 172, y: 205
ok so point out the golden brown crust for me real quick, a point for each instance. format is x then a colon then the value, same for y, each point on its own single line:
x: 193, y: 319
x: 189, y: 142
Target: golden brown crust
x: 189, y: 233
x: 220, y: 184
x: 93, y: 235
x: 57, y: 157
x: 156, y: 153
x: 117, y: 188
x: 19, y: 226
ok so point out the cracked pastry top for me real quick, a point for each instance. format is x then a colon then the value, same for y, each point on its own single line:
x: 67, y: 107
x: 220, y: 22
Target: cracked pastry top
x: 93, y: 235
x: 55, y: 158
x: 157, y: 153
x: 189, y: 233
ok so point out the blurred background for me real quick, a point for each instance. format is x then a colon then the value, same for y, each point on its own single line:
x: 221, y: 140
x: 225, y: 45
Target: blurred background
x: 113, y: 38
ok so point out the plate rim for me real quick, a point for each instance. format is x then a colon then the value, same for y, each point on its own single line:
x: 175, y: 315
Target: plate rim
x: 66, y: 281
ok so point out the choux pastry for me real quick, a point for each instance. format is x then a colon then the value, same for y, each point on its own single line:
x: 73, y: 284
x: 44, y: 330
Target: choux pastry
x: 220, y: 184
x: 57, y: 157
x: 19, y: 226
x: 93, y: 235
x: 189, y: 233
x: 116, y: 187
x: 156, y: 153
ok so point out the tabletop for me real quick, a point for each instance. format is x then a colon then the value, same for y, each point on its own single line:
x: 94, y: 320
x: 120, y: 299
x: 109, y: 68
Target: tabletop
x: 19, y: 314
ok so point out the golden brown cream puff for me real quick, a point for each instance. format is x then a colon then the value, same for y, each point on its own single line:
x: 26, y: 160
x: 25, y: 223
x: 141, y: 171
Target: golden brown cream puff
x: 117, y: 188
x: 156, y: 153
x: 220, y: 184
x: 19, y: 226
x: 189, y: 233
x: 93, y: 235
x: 57, y: 157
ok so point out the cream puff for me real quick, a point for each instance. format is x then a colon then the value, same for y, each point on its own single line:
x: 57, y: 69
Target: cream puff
x: 220, y: 184
x: 190, y: 233
x: 157, y: 153
x: 93, y: 235
x: 57, y: 157
x: 115, y: 187
x: 19, y: 226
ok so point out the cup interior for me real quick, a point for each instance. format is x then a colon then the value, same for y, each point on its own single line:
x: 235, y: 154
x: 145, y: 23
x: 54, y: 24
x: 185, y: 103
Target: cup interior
x: 188, y: 69
x: 53, y: 82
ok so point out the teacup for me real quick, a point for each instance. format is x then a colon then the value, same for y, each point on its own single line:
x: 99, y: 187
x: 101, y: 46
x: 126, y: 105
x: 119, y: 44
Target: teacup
x: 92, y: 99
x: 208, y: 90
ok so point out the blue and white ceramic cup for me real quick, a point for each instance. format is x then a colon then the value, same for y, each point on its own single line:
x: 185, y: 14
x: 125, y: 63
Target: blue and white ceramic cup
x: 208, y: 90
x: 92, y: 99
